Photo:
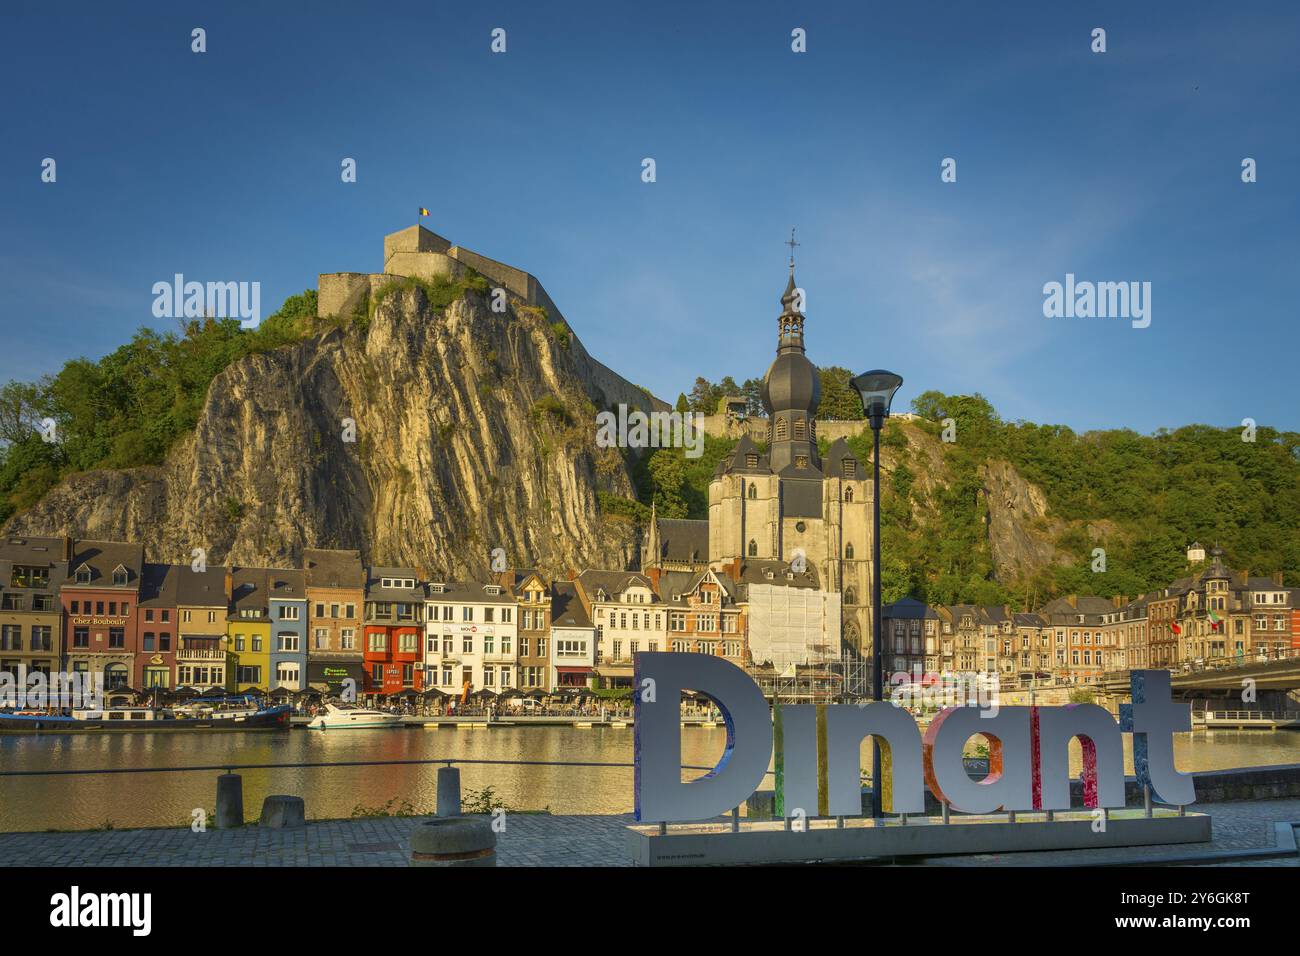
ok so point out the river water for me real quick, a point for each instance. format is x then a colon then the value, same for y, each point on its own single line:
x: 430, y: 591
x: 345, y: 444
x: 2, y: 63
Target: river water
x: 170, y: 799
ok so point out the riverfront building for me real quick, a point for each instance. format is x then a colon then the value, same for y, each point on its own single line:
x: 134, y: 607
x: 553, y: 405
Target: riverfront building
x: 100, y: 602
x: 533, y: 592
x: 470, y: 636
x: 573, y: 638
x: 288, y: 597
x: 394, y: 631
x: 155, y: 665
x: 248, y: 629
x: 202, y: 605
x: 629, y: 616
x: 336, y: 594
x: 32, y: 572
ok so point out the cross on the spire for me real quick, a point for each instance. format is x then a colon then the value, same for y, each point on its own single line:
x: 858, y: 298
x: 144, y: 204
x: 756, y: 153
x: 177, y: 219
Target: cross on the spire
x: 791, y: 243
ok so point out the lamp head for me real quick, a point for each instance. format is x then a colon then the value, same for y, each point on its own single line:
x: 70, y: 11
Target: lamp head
x: 877, y: 389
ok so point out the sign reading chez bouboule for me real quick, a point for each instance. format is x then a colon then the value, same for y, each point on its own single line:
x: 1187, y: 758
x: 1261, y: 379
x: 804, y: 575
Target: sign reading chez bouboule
x: 1029, y: 767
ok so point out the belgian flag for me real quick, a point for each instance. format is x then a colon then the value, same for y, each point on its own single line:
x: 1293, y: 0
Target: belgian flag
x: 423, y: 211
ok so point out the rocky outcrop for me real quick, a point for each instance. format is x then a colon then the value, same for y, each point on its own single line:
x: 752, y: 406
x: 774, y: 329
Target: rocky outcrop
x: 1021, y: 534
x: 472, y: 430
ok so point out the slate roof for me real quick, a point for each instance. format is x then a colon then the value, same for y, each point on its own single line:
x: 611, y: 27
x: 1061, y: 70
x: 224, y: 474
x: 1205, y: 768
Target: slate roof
x: 836, y: 455
x: 202, y: 588
x: 160, y: 584
x: 375, y: 591
x: 683, y: 539
x: 566, y: 608
x: 103, y: 557
x: 331, y: 568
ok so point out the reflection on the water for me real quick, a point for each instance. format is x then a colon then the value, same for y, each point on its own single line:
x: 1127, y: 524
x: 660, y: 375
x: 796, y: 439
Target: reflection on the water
x: 169, y: 799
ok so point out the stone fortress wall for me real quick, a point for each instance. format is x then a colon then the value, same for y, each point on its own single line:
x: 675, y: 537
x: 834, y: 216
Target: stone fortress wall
x: 725, y: 425
x: 420, y: 253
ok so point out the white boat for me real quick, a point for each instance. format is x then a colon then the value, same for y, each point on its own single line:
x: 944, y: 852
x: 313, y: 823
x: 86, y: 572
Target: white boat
x: 340, y: 716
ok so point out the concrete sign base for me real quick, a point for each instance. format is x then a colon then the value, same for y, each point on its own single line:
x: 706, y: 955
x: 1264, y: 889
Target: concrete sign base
x: 761, y: 842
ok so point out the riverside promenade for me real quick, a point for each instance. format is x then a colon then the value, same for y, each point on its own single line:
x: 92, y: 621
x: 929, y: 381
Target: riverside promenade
x: 549, y: 840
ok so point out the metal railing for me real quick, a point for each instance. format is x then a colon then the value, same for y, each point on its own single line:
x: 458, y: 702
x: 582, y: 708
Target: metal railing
x: 297, y: 765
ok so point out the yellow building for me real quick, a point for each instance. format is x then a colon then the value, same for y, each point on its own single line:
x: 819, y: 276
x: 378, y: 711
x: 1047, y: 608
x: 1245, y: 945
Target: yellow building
x: 248, y: 631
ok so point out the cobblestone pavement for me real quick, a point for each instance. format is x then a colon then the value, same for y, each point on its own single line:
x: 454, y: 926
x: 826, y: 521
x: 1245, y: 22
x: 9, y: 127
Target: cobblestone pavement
x: 528, y: 840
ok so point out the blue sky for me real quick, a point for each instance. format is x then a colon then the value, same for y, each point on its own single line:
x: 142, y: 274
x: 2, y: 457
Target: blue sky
x: 1122, y: 166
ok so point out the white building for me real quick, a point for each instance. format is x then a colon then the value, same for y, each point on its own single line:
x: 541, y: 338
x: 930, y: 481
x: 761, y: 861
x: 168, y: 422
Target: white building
x: 471, y: 637
x: 629, y: 617
x: 573, y: 638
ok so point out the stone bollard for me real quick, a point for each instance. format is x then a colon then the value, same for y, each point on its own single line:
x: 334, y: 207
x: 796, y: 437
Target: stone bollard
x: 280, y: 812
x: 230, y: 801
x: 454, y: 841
x: 448, y: 792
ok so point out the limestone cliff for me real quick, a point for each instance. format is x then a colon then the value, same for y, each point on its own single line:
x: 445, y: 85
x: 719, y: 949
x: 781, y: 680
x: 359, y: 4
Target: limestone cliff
x: 473, y: 430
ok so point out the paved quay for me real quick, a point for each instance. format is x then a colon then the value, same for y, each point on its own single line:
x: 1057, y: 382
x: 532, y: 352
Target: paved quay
x: 536, y: 840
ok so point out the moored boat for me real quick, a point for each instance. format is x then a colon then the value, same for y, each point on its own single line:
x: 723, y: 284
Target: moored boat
x: 114, y: 719
x: 343, y: 716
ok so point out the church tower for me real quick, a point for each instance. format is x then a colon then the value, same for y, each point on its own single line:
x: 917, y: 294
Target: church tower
x: 787, y: 500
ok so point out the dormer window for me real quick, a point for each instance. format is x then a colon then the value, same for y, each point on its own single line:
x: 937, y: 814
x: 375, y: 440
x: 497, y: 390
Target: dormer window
x: 438, y: 588
x: 492, y: 589
x: 768, y: 574
x: 119, y: 576
x: 83, y: 575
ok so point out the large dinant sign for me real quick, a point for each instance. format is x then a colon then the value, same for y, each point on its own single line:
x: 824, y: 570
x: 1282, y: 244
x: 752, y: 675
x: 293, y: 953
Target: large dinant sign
x: 817, y: 749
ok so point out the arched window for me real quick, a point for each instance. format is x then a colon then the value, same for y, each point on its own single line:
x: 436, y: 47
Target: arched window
x: 848, y: 494
x: 753, y: 548
x: 798, y: 428
x: 850, y: 596
x: 848, y: 552
x: 115, y: 675
x: 753, y: 490
x: 781, y: 429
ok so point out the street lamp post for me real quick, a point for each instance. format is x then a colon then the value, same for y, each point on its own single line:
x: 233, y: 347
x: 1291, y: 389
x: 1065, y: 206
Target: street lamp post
x: 877, y: 389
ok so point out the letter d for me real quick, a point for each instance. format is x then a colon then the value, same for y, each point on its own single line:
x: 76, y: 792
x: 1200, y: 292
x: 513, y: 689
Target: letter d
x: 660, y: 794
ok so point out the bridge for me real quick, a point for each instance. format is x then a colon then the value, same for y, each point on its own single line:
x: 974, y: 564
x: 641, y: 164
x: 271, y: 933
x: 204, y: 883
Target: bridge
x: 1223, y: 674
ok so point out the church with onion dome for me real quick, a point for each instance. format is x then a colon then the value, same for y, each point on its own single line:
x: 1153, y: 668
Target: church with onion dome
x: 786, y: 501
x: 781, y: 500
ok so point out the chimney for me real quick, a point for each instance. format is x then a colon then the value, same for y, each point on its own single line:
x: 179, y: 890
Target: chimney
x: 1243, y: 577
x: 230, y: 579
x: 1277, y: 578
x: 67, y: 547
x: 1116, y: 601
x: 1073, y: 601
x: 653, y: 574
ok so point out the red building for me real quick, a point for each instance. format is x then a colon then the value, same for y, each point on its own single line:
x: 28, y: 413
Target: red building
x: 100, y: 601
x: 393, y: 632
x: 155, y: 665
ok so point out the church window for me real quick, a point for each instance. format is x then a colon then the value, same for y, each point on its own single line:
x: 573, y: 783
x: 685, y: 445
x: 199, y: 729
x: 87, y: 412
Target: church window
x: 848, y: 494
x: 798, y: 428
x: 753, y: 548
x: 753, y: 491
x: 848, y: 552
x: 850, y: 596
x: 781, y: 429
